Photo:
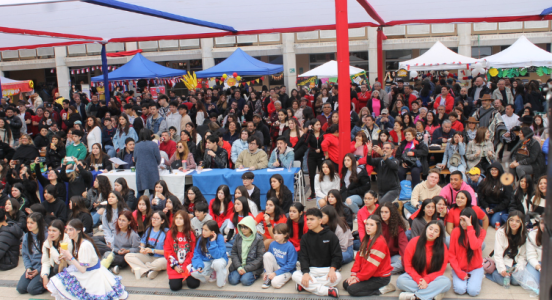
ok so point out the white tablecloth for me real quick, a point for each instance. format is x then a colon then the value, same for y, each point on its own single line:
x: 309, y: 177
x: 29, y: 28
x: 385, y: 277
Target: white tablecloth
x: 175, y: 181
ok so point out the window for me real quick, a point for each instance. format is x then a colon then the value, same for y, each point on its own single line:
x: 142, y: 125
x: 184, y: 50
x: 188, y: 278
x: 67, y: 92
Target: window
x: 480, y: 52
x: 393, y: 57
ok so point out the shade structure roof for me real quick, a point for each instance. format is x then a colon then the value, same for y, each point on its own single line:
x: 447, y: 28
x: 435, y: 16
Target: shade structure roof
x: 438, y: 57
x: 520, y: 54
x: 243, y: 64
x: 42, y: 23
x: 329, y: 69
x: 140, y: 67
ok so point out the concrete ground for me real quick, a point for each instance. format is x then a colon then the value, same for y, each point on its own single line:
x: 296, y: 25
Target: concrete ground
x: 158, y: 289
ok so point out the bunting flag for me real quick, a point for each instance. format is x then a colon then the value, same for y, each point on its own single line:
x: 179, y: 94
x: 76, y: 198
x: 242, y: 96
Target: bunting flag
x: 87, y: 70
x: 257, y: 80
x: 92, y: 69
x: 52, y: 71
x: 82, y: 71
x: 78, y: 71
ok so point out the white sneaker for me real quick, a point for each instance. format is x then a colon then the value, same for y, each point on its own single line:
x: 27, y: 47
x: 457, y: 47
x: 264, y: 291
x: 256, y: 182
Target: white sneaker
x: 407, y: 296
x: 439, y: 297
x: 213, y: 277
x: 387, y: 289
x: 152, y: 274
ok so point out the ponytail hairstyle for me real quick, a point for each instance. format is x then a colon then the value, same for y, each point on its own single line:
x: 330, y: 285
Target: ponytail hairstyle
x: 77, y: 224
x: 419, y: 258
x: 40, y: 236
x: 300, y: 223
x: 213, y: 226
x: 367, y: 242
x: 470, y: 213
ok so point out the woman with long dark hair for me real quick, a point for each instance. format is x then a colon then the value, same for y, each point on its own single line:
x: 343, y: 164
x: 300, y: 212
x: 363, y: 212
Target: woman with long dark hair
x: 142, y: 214
x: 371, y: 272
x: 241, y: 191
x: 335, y: 200
x: 370, y: 205
x: 394, y: 229
x: 281, y: 192
x: 296, y: 224
x: 123, y: 132
x: 509, y: 248
x: 425, y: 261
x: 159, y: 198
x: 150, y: 261
x: 31, y: 251
x: 315, y: 156
x: 466, y: 254
x: 98, y: 160
x: 97, y: 194
x: 221, y: 207
x: 51, y: 260
x: 125, y: 241
x: 493, y: 196
x: 120, y: 185
x: 14, y: 214
x: 425, y: 215
x: 179, y: 248
x: 272, y: 215
x: 539, y: 200
x: 522, y: 197
x: 241, y: 210
x: 77, y: 205
x: 326, y: 180
x: 171, y: 207
x: 355, y: 182
x: 463, y: 200
x: 192, y: 196
x: 432, y: 122
x: 210, y: 255
x: 115, y: 205
x: 332, y: 220
x: 85, y: 277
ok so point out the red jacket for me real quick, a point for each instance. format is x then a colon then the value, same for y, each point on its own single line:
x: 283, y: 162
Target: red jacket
x: 220, y: 218
x: 260, y: 218
x: 169, y: 147
x: 411, y: 98
x: 458, y: 126
x: 362, y: 215
x: 378, y: 264
x: 186, y: 246
x: 397, y: 245
x: 458, y: 255
x: 363, y: 98
x: 331, y: 145
x: 449, y: 103
x: 295, y: 240
x: 407, y: 261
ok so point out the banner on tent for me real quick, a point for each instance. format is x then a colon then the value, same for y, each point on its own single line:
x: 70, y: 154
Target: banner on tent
x: 359, y: 78
x: 308, y: 82
x: 156, y: 91
x: 403, y: 73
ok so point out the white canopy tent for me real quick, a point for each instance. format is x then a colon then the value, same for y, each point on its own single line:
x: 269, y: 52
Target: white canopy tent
x: 438, y: 57
x: 329, y: 69
x: 520, y: 54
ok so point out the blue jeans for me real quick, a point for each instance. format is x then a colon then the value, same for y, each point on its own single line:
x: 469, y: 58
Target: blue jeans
x: 246, y: 279
x: 348, y: 256
x: 496, y: 216
x: 229, y: 245
x: 356, y: 245
x: 396, y: 263
x: 96, y: 217
x: 408, y: 234
x: 534, y: 273
x: 472, y: 285
x: 496, y: 277
x: 408, y: 205
x: 356, y: 203
x: 110, y: 151
x: 439, y: 285
x: 32, y: 286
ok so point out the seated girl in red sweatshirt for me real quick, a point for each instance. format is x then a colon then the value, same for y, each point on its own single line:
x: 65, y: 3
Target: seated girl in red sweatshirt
x: 221, y: 207
x: 456, y: 125
x: 466, y: 255
x: 425, y: 261
x: 371, y: 272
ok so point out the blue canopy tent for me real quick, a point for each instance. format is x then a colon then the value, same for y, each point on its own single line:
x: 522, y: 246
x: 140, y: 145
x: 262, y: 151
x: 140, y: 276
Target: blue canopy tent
x: 140, y: 67
x: 243, y: 64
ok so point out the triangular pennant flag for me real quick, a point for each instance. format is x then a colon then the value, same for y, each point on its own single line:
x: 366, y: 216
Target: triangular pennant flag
x: 78, y: 71
x: 257, y: 80
x: 87, y: 70
x: 92, y: 69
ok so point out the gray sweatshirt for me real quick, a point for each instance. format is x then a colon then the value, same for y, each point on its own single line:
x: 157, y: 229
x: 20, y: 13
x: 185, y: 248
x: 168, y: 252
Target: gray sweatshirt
x: 122, y: 241
x: 197, y: 225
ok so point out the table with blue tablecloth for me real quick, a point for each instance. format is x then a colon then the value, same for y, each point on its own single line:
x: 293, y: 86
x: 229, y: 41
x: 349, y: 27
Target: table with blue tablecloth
x: 45, y: 174
x: 209, y: 181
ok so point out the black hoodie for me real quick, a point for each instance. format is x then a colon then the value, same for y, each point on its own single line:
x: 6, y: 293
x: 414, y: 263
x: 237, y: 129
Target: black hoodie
x: 320, y: 250
x: 10, y: 237
x: 58, y: 208
x: 487, y: 198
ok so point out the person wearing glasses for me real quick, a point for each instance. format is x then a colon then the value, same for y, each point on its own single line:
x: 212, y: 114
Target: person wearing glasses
x: 252, y: 158
x: 387, y: 168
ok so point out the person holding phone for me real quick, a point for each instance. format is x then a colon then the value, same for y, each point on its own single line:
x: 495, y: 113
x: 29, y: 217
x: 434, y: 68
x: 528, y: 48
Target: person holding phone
x: 210, y: 257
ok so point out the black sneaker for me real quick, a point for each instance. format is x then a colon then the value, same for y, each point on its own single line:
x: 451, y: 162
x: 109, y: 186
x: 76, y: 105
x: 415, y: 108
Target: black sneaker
x: 266, y: 283
x: 332, y: 292
x: 299, y: 287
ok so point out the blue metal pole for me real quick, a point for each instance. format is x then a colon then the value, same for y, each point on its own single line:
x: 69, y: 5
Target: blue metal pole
x: 105, y: 75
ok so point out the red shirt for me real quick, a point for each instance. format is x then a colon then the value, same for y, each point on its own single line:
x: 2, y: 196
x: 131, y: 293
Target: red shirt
x: 396, y: 244
x: 458, y: 255
x: 363, y: 98
x: 294, y: 240
x: 331, y: 145
x: 260, y: 218
x: 378, y: 263
x: 169, y: 147
x: 453, y: 215
x: 407, y: 261
x: 34, y: 128
x: 185, y: 248
x: 458, y: 126
x: 449, y: 103
x: 362, y: 215
x: 395, y: 137
x: 221, y: 217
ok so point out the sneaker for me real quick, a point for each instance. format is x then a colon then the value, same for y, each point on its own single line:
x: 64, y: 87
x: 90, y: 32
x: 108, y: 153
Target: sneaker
x: 299, y: 287
x: 298, y: 265
x: 439, y: 297
x: 387, y: 289
x: 152, y: 274
x: 266, y: 283
x: 100, y: 227
x: 332, y: 292
x: 213, y: 277
x: 311, y: 198
x: 115, y: 270
x: 407, y: 296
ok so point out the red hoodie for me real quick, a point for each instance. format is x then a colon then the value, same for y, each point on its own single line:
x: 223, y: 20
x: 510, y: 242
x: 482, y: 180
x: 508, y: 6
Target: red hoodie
x: 185, y: 246
x: 220, y: 218
x: 407, y: 260
x: 458, y: 255
x: 378, y: 263
x: 331, y: 145
x: 362, y: 215
x: 294, y: 240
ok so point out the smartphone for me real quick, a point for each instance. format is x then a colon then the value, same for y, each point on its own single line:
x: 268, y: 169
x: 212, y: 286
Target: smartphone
x: 42, y: 159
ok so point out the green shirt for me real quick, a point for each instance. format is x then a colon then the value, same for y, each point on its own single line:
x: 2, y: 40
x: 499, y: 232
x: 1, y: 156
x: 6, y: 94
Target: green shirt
x: 79, y: 151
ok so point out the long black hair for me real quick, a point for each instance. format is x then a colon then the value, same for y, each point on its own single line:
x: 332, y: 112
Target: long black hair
x: 283, y: 190
x: 278, y: 211
x: 334, y: 219
x: 421, y: 214
x: 213, y: 226
x: 470, y: 213
x: 515, y: 241
x: 60, y: 226
x: 339, y: 206
x: 198, y: 197
x: 438, y: 252
x: 492, y: 186
x: 354, y: 175
x: 519, y: 194
x: 244, y: 213
x: 300, y: 223
x: 40, y: 236
x: 468, y: 197
x: 227, y: 199
x: 367, y: 243
x: 120, y: 205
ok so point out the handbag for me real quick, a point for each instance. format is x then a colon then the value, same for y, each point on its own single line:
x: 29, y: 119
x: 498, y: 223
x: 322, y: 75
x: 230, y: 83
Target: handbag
x: 455, y: 160
x: 489, y: 265
x: 410, y: 161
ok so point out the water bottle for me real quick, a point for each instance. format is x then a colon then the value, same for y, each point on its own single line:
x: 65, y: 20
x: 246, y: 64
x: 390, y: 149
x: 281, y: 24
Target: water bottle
x: 507, y: 281
x: 426, y: 139
x: 183, y: 165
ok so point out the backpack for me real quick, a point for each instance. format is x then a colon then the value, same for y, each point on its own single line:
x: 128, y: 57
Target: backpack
x: 406, y: 190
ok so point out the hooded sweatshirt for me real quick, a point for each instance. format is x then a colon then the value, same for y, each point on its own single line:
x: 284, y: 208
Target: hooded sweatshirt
x: 331, y: 145
x: 247, y: 252
x: 498, y: 202
x: 10, y: 235
x: 450, y: 194
x: 320, y: 250
x: 422, y: 192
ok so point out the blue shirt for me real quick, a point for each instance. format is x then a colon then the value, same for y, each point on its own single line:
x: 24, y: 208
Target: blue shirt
x: 285, y: 255
x: 154, y: 236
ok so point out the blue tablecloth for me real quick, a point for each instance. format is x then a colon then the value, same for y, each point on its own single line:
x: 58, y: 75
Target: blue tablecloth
x: 209, y: 181
x: 41, y: 189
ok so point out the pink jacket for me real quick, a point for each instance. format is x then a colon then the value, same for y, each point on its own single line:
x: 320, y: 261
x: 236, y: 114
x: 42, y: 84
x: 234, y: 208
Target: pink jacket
x: 450, y: 194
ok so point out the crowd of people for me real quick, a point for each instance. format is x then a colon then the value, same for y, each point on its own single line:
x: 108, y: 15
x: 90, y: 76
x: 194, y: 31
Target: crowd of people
x: 414, y: 223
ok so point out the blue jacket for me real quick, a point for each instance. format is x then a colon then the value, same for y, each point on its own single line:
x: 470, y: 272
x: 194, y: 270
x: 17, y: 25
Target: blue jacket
x: 449, y: 152
x: 153, y: 236
x: 215, y: 250
x: 545, y: 150
x: 285, y: 255
x: 518, y: 104
x: 33, y: 260
x: 119, y: 141
x: 475, y: 185
x: 237, y: 147
x: 286, y: 158
x: 156, y: 125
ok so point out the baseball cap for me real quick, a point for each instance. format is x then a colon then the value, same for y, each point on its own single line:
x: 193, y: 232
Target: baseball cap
x: 385, y: 111
x: 257, y: 115
x: 474, y: 171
